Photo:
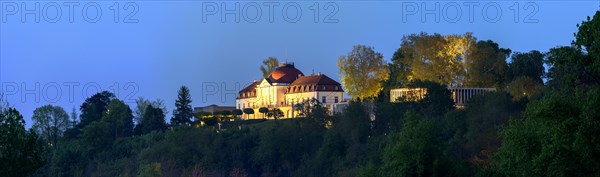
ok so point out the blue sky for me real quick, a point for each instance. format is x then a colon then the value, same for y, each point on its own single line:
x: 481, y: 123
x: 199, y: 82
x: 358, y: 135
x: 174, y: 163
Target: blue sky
x: 168, y: 44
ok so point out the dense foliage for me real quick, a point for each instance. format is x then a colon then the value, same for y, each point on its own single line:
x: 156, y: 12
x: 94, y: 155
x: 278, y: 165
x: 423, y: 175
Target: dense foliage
x: 526, y: 128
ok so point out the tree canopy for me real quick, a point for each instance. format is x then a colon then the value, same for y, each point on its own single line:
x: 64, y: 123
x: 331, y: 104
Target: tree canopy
x: 363, y: 72
x: 93, y: 107
x: 50, y: 122
x: 20, y: 151
x: 153, y: 120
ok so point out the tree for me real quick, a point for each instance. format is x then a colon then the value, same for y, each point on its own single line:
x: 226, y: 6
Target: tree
x: 218, y: 115
x: 142, y: 104
x: 437, y: 101
x: 275, y: 113
x: 363, y: 72
x: 50, y: 122
x: 269, y: 65
x: 93, y: 108
x: 567, y: 68
x: 237, y: 113
x: 487, y: 65
x: 400, y: 69
x: 399, y: 72
x: 524, y: 87
x: 437, y: 58
x: 314, y: 110
x: 354, y: 123
x: 73, y: 117
x: 263, y: 110
x: 183, y: 109
x: 483, y: 114
x: 98, y: 136
x: 249, y: 111
x: 416, y: 151
x: 20, y: 150
x: 153, y: 120
x: 588, y: 39
x: 226, y: 114
x: 557, y: 136
x: 120, y: 119
x: 577, y: 65
x: 530, y: 64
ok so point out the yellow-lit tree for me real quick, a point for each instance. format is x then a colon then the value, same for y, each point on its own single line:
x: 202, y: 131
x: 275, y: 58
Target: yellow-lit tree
x: 439, y: 58
x: 363, y: 72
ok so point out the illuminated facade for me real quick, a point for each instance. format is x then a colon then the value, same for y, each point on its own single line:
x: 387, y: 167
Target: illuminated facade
x: 285, y: 87
x: 459, y: 95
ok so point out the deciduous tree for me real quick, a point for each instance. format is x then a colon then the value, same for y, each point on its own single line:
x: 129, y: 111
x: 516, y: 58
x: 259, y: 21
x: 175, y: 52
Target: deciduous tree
x: 588, y: 39
x: 487, y: 65
x: 142, y: 104
x: 50, y: 122
x: 438, y: 58
x: 20, y: 150
x: 556, y: 137
x: 120, y: 119
x: 93, y: 108
x: 153, y: 120
x: 363, y: 72
x: 529, y: 64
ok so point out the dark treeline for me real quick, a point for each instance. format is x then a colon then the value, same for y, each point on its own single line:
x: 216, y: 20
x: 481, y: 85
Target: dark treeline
x: 527, y: 128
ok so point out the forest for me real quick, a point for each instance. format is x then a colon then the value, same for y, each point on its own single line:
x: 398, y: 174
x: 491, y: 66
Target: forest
x: 543, y: 120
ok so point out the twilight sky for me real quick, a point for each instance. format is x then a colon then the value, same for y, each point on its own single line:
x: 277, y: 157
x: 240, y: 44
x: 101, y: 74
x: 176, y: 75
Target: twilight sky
x: 151, y: 48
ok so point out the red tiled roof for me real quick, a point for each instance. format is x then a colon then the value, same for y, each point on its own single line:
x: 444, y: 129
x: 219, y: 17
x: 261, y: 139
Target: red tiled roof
x: 319, y: 79
x: 311, y: 83
x: 249, y: 89
x: 284, y: 74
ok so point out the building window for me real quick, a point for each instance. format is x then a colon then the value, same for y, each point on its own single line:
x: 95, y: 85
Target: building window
x: 324, y: 99
x: 323, y: 87
x: 336, y: 88
x: 336, y: 99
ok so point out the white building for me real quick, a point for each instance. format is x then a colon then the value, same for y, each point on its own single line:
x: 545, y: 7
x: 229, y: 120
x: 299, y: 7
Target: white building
x: 287, y: 86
